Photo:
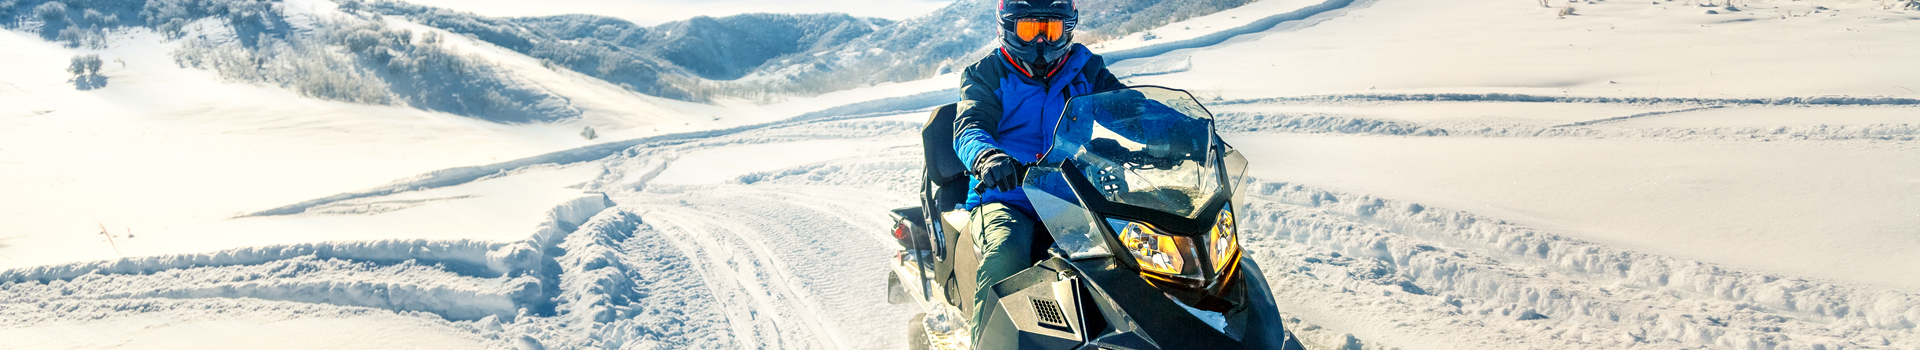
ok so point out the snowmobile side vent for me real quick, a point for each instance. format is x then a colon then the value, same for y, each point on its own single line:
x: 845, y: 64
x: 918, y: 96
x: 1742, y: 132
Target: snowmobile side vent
x: 1050, y: 315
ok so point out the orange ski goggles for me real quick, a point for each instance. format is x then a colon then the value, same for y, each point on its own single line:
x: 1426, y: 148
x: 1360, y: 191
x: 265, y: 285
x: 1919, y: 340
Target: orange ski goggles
x: 1034, y: 29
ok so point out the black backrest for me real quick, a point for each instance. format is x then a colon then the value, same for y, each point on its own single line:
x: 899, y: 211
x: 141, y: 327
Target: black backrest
x: 944, y: 169
x: 937, y: 139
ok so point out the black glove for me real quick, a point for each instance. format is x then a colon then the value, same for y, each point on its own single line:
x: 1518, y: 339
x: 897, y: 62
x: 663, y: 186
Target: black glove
x: 996, y: 170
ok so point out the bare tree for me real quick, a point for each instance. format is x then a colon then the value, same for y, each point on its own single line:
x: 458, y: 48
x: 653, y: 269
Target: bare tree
x: 83, y: 65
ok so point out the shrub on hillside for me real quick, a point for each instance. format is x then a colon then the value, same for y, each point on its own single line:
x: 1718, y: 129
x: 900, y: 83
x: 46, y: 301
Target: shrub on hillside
x: 354, y: 58
x: 71, y: 35
x: 88, y: 64
x: 171, y: 16
x: 93, y: 17
x: 308, y: 70
x: 426, y: 73
x: 51, y: 12
x: 366, y: 61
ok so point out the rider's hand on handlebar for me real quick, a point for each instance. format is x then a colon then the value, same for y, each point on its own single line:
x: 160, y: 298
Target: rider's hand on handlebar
x: 996, y: 170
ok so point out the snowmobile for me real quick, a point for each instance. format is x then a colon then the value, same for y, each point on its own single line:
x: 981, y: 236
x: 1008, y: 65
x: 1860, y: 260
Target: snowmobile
x: 1137, y: 249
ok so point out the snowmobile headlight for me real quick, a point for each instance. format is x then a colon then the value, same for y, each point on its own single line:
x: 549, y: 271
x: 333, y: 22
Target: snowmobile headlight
x: 1223, y: 241
x: 1156, y: 252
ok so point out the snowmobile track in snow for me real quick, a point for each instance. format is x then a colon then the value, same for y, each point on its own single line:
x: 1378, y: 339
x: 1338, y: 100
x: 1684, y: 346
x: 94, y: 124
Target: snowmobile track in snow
x: 1507, y: 97
x: 794, y: 258
x: 1415, y: 272
x: 790, y: 263
x: 1328, y: 123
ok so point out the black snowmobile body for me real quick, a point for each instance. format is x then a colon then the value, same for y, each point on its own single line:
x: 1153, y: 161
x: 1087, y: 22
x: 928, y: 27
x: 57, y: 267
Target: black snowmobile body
x: 1138, y: 248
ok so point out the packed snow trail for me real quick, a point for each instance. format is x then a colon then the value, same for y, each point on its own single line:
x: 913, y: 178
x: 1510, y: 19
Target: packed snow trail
x: 792, y: 256
x: 789, y: 252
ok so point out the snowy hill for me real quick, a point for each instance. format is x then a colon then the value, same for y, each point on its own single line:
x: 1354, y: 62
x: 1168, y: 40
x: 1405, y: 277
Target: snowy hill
x: 669, y: 60
x: 1431, y: 175
x: 757, y: 55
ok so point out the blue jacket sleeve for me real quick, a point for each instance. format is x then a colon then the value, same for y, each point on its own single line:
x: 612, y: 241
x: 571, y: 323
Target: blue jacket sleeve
x: 978, y: 120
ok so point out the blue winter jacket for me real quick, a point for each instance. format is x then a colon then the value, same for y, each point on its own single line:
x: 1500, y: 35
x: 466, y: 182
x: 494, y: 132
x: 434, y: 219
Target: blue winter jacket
x: 1003, y: 108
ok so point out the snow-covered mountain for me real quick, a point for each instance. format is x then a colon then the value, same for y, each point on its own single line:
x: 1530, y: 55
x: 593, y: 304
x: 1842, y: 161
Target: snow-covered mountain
x: 754, y: 55
x: 673, y: 60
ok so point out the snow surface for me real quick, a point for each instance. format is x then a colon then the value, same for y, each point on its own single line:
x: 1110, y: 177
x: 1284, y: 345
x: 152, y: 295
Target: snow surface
x: 1609, y: 48
x: 163, y: 148
x: 1747, y: 204
x: 1429, y: 175
x: 166, y: 330
x: 718, y: 165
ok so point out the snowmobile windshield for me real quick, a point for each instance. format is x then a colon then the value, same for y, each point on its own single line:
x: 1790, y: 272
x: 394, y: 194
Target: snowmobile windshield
x: 1148, y: 147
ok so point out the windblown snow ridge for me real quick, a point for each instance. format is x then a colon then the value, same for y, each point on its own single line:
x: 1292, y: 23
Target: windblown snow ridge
x: 1320, y: 123
x: 462, y: 255
x: 456, y: 279
x: 1635, y: 115
x: 1486, y: 271
x: 1505, y: 97
x: 1340, y: 124
x: 621, y: 286
x: 402, y: 287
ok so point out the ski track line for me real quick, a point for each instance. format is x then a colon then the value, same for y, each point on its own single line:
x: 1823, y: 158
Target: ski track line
x: 759, y: 257
x: 1637, y: 115
x: 872, y: 216
x: 738, y: 322
x: 830, y: 205
x: 784, y: 275
x: 725, y: 271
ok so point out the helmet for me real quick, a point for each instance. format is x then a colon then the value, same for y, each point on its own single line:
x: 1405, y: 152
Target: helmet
x: 1037, y: 32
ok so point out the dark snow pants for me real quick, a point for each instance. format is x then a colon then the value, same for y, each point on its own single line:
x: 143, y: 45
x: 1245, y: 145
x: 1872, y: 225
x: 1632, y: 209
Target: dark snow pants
x: 1005, y: 237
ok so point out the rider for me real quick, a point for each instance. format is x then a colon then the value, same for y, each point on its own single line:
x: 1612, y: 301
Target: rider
x: 1011, y: 100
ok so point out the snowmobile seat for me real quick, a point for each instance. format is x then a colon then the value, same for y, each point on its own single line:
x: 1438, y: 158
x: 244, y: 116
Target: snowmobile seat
x: 945, y: 172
